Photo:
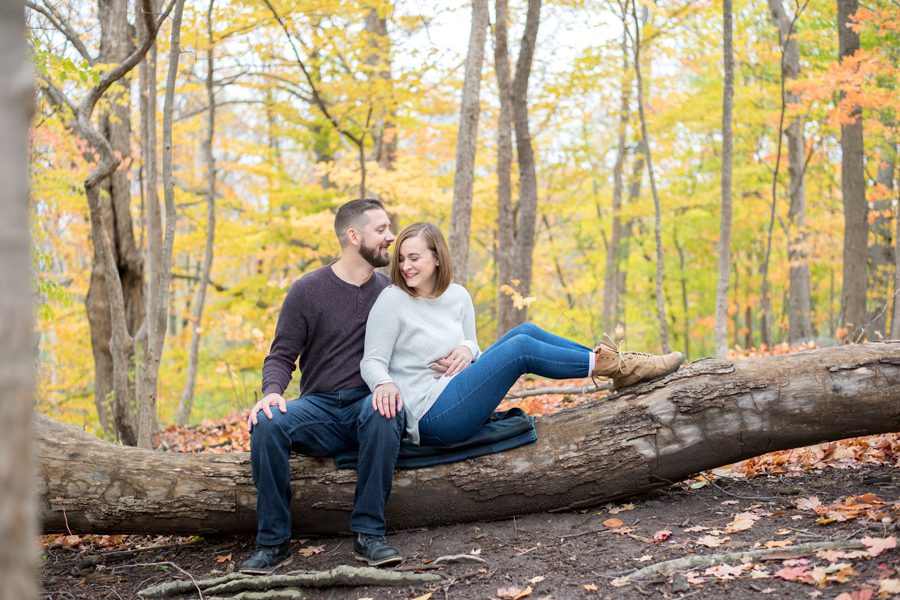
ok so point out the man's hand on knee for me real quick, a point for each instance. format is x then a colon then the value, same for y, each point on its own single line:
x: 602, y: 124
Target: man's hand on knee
x: 265, y: 405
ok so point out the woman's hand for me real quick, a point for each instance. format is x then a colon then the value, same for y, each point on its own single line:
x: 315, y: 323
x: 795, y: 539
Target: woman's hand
x: 386, y: 400
x: 459, y: 359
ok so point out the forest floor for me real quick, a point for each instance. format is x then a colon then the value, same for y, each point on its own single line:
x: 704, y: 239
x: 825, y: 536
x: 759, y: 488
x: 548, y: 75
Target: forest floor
x: 574, y: 554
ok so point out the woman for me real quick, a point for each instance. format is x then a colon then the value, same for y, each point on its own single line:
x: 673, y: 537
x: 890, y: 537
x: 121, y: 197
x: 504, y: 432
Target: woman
x: 423, y: 318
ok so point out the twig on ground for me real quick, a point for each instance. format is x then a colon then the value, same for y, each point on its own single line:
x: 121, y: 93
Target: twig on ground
x: 450, y: 558
x: 732, y: 494
x: 119, y: 555
x: 724, y: 557
x: 581, y: 533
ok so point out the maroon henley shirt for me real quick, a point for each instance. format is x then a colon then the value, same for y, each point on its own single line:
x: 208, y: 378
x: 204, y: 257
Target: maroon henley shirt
x: 323, y: 324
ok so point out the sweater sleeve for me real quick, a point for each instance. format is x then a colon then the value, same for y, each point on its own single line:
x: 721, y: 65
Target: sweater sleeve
x: 290, y: 339
x: 468, y: 324
x: 382, y: 329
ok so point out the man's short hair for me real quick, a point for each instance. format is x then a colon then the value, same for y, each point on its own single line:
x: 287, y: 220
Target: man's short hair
x: 352, y: 214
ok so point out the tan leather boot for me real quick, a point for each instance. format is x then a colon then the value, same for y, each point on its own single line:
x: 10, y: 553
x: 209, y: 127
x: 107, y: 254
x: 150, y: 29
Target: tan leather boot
x: 628, y: 368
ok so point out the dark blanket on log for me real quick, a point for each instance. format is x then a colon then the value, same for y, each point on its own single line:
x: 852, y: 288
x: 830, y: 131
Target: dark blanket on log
x: 503, y: 431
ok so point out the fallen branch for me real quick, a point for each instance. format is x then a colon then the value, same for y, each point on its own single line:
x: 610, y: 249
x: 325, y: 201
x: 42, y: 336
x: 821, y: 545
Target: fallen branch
x: 239, y: 582
x: 689, y: 562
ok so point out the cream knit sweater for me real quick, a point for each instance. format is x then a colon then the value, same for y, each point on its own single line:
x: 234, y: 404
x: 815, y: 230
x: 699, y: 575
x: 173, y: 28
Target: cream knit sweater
x: 405, y: 334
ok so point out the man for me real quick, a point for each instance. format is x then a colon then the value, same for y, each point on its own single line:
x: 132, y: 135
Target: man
x: 323, y: 323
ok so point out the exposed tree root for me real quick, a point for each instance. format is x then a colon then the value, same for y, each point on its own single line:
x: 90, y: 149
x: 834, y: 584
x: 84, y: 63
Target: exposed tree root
x: 288, y: 585
x: 689, y: 562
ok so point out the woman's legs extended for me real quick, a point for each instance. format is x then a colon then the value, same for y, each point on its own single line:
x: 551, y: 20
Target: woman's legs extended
x: 532, y: 330
x: 472, y: 395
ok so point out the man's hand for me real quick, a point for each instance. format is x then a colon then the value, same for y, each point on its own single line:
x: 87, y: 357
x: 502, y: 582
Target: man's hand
x: 386, y: 400
x: 459, y: 359
x: 440, y: 366
x: 264, y: 405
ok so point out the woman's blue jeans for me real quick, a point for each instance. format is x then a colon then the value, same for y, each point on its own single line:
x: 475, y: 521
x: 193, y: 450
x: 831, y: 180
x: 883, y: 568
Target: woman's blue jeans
x: 472, y: 395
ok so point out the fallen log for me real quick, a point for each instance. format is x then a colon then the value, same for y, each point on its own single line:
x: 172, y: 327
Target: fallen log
x: 708, y: 414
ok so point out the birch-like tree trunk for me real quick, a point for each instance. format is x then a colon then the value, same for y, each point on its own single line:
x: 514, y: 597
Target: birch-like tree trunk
x: 158, y: 306
x: 853, y: 189
x: 526, y: 211
x: 721, y: 324
x: 152, y: 215
x: 799, y: 309
x: 187, y: 396
x: 506, y: 227
x: 611, y: 273
x: 657, y: 223
x: 18, y: 509
x: 466, y: 141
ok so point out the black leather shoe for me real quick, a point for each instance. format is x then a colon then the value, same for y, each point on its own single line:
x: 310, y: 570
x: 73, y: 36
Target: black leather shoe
x: 375, y: 550
x: 268, y: 558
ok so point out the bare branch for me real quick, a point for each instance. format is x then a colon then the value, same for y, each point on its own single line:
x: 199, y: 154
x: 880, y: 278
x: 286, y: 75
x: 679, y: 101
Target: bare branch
x: 62, y: 26
x: 319, y: 101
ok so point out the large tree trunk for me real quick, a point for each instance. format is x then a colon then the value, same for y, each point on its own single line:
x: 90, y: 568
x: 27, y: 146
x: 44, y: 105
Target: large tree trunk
x: 466, y: 141
x: 706, y: 415
x: 721, y: 324
x: 115, y: 125
x: 853, y: 188
x: 18, y: 517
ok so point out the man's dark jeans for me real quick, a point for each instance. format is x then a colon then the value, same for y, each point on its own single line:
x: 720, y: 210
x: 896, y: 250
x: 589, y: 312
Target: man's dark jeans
x: 322, y: 425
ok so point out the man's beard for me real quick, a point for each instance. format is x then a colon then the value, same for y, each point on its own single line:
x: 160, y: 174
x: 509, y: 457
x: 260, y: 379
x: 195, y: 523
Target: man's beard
x: 373, y: 256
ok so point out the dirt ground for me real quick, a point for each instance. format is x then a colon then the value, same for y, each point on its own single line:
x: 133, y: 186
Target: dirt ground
x: 574, y: 554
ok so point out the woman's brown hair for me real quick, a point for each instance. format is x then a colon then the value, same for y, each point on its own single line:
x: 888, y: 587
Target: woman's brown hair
x: 435, y: 241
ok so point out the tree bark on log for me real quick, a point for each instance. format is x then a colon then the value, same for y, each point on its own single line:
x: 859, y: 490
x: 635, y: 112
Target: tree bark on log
x: 711, y: 413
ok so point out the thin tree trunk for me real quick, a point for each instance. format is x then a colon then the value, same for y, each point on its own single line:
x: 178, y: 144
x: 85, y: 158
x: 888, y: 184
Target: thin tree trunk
x: 711, y: 413
x: 657, y: 224
x: 526, y: 217
x: 799, y: 303
x: 853, y: 189
x: 881, y: 251
x: 684, y: 299
x: 18, y: 517
x: 384, y: 138
x: 466, y: 141
x: 157, y: 315
x: 506, y: 234
x: 611, y: 274
x: 187, y: 396
x: 153, y: 225
x: 895, y: 319
x: 721, y: 323
x: 634, y: 193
